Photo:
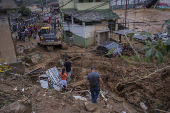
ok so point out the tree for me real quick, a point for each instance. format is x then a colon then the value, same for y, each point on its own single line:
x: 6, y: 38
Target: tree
x: 24, y: 11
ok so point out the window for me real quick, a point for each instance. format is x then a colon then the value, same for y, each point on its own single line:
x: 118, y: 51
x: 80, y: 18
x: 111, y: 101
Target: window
x: 92, y: 23
x: 80, y: 1
x: 67, y: 18
x: 84, y: 1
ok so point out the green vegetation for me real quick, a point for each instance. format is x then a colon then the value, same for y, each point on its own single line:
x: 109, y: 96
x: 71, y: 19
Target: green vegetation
x: 155, y: 50
x: 24, y: 11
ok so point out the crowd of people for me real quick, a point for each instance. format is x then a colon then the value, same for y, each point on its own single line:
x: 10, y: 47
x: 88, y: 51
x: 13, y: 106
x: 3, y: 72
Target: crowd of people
x: 24, y: 34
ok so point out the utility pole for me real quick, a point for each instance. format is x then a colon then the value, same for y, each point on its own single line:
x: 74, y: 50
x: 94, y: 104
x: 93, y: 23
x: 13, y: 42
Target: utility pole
x: 125, y: 13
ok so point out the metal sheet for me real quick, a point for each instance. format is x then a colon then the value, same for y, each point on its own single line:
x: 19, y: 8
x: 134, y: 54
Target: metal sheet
x: 53, y: 75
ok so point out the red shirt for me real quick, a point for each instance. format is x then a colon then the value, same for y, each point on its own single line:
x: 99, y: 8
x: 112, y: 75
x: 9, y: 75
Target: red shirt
x: 63, y: 77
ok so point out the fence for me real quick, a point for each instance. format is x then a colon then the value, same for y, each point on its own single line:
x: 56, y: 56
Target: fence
x: 26, y: 23
x: 121, y: 4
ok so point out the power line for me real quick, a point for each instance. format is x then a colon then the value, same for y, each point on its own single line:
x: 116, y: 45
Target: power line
x: 93, y: 8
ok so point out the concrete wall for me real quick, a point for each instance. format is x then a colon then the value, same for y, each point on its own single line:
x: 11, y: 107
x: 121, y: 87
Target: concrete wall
x: 69, y: 5
x: 6, y: 44
x: 74, y: 28
x: 83, y: 35
x: 85, y: 6
x: 82, y: 6
x: 90, y: 30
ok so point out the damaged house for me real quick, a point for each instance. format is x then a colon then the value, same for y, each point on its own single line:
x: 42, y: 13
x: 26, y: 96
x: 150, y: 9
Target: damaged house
x: 87, y: 22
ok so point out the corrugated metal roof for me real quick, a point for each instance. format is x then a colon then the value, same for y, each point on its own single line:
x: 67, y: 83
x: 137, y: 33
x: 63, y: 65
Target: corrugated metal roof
x: 108, y: 14
x: 90, y: 16
x: 124, y: 32
x: 136, y: 36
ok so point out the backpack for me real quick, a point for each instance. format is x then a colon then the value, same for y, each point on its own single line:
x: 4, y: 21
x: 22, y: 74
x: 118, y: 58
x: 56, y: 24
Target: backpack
x: 93, y: 83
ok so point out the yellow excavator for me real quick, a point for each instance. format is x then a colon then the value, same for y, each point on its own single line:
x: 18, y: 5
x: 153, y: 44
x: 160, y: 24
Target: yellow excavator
x: 49, y: 38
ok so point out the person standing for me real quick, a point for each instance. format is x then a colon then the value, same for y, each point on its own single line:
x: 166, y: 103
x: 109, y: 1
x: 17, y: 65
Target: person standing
x: 94, y: 79
x: 68, y: 65
x: 16, y: 34
x: 63, y: 76
x: 58, y: 23
x: 39, y: 33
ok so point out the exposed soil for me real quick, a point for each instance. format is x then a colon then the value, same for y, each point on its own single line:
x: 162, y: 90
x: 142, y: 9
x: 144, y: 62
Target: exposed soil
x: 153, y: 91
x: 122, y: 79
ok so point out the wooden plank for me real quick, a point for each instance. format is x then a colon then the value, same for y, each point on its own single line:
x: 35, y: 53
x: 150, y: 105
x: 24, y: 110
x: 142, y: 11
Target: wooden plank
x: 77, y: 83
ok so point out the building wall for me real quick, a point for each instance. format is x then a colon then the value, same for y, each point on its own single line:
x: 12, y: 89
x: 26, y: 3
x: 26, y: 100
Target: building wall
x: 164, y: 4
x: 83, y: 35
x: 7, y: 47
x: 75, y: 29
x: 85, y: 6
x: 120, y: 4
x: 90, y: 31
x: 69, y: 5
x: 7, y: 4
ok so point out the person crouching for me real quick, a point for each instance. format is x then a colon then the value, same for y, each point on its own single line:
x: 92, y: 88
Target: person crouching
x: 63, y: 81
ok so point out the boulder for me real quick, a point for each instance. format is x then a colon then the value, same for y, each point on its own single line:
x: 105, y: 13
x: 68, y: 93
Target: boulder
x: 90, y: 107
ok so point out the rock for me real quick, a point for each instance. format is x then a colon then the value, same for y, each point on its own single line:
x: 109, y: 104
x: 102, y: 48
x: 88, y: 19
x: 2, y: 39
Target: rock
x: 116, y: 106
x: 109, y: 106
x: 123, y: 112
x: 143, y: 106
x: 15, y: 107
x: 38, y: 99
x: 33, y: 90
x: 90, y: 107
x: 62, y: 104
x: 34, y: 58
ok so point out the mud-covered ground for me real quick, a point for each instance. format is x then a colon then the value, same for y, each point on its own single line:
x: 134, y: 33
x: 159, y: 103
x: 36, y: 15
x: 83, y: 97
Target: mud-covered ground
x: 128, y: 84
x: 123, y: 81
x: 146, y: 19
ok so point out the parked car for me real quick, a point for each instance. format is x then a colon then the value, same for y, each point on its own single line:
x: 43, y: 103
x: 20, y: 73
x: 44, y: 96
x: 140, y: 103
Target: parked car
x: 108, y: 45
x: 161, y: 36
x: 46, y: 19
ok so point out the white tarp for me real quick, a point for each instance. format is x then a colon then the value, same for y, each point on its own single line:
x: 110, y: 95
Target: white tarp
x: 53, y: 75
x: 44, y: 84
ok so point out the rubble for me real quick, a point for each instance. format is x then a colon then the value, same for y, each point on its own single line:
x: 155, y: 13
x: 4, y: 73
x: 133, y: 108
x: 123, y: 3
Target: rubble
x: 76, y: 83
x: 111, y: 71
x: 16, y: 107
x: 33, y: 58
x: 90, y: 107
x: 80, y: 97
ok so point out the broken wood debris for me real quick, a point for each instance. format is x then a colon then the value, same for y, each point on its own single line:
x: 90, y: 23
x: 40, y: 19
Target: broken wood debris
x: 77, y: 83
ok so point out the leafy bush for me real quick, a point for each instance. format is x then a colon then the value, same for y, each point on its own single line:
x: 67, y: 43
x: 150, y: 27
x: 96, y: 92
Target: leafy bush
x: 24, y: 11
